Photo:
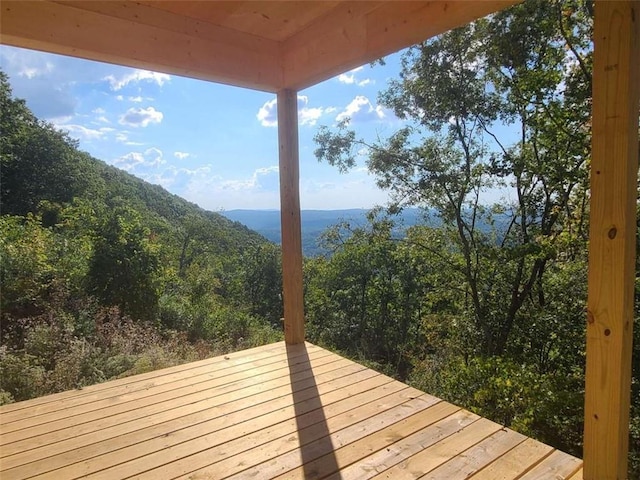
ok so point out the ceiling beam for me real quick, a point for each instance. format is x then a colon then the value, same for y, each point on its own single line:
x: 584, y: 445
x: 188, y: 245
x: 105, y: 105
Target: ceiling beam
x: 135, y: 35
x: 360, y: 32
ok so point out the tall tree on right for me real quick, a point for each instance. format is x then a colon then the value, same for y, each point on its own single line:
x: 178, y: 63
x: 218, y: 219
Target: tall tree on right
x: 501, y: 105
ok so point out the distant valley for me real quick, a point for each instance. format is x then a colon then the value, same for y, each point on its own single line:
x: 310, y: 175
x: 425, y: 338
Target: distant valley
x: 314, y: 222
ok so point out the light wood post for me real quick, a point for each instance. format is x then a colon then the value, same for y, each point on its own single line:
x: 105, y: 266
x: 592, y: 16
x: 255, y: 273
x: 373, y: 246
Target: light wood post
x: 612, y: 247
x: 290, y: 216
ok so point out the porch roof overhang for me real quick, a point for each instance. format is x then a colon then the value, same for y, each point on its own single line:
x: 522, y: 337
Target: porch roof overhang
x: 261, y: 45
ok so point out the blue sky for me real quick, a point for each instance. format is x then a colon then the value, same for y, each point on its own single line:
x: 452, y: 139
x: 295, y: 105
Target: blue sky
x: 212, y: 144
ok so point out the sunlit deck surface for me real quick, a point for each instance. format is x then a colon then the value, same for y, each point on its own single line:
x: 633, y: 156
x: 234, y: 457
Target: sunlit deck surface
x: 273, y: 411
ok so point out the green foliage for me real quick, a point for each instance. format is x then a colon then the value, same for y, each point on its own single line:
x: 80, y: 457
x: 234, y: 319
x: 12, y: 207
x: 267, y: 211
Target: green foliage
x: 27, y: 270
x: 230, y: 329
x: 51, y: 353
x: 124, y: 264
x: 261, y: 282
x: 452, y: 91
x: 496, y: 294
x: 105, y: 275
x: 367, y: 298
x: 37, y: 161
x: 543, y: 406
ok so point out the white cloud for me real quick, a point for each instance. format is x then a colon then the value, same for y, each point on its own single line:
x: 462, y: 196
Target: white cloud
x: 264, y: 178
x: 203, y: 170
x: 49, y: 83
x: 141, y: 117
x: 61, y: 120
x: 41, y: 80
x: 129, y: 161
x: 172, y: 175
x: 101, y: 118
x: 268, y: 113
x: 309, y: 116
x: 361, y: 110
x: 136, y: 76
x: 154, y: 156
x: 123, y: 137
x: 260, y: 191
x: 137, y: 99
x: 181, y: 155
x: 84, y: 133
x: 151, y: 157
x: 158, y: 178
x: 349, y: 78
x: 32, y: 72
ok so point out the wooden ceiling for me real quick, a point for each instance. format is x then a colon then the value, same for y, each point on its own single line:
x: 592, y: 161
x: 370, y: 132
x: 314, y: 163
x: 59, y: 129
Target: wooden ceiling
x: 265, y: 45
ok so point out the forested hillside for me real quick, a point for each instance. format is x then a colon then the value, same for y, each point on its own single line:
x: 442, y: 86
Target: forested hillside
x: 105, y: 275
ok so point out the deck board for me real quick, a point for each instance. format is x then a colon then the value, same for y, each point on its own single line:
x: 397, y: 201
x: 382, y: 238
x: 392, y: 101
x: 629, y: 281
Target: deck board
x: 268, y: 412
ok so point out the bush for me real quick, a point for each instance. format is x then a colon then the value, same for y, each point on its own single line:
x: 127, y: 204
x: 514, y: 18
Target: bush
x: 231, y: 329
x: 547, y: 407
x: 49, y: 354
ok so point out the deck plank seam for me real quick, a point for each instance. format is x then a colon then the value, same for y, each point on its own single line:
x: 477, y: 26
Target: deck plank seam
x: 382, y: 445
x: 370, y: 419
x: 285, y: 392
x: 55, y: 397
x: 268, y: 439
x: 3, y: 442
x: 220, y: 431
x: 145, y: 387
x: 480, y: 440
x: 281, y: 396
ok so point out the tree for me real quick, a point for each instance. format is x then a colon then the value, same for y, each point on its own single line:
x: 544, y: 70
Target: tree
x: 367, y: 298
x: 260, y: 272
x: 37, y: 161
x: 123, y: 269
x: 501, y: 103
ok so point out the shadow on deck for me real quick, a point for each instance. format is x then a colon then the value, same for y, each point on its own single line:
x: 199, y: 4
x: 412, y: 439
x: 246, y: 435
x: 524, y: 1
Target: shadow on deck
x: 275, y: 411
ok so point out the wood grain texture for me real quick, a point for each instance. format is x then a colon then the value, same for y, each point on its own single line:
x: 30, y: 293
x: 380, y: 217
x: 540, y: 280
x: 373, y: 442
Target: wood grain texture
x: 356, y: 33
x: 290, y: 216
x: 272, y: 20
x: 135, y: 35
x: 284, y: 411
x: 268, y: 46
x: 612, y: 238
x: 517, y: 461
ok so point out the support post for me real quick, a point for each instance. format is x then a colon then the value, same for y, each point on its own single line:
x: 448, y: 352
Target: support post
x: 290, y: 216
x: 612, y: 248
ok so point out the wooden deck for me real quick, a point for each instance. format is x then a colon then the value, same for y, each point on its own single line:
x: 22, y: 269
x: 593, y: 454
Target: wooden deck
x: 273, y: 411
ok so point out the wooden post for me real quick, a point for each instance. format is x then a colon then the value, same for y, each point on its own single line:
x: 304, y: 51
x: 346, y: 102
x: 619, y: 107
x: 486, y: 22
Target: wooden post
x: 290, y: 216
x: 612, y: 248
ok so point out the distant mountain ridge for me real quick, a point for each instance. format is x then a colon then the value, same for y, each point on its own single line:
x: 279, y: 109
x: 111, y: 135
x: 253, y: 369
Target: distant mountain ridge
x: 313, y: 222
